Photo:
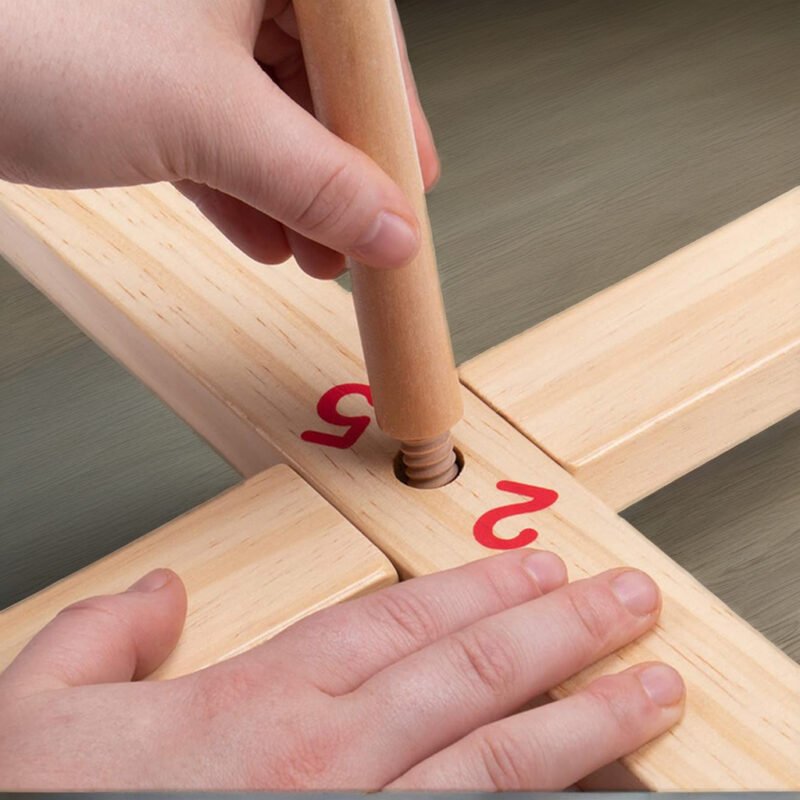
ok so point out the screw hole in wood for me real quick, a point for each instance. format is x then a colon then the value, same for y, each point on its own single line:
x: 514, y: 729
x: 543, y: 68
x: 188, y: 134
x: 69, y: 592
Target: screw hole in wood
x: 400, y: 468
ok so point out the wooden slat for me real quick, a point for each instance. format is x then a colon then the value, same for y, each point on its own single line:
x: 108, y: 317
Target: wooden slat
x: 647, y: 380
x: 267, y: 342
x: 96, y: 314
x: 254, y: 560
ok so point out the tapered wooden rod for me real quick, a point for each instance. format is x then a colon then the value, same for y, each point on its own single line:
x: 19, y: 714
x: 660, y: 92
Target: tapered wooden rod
x: 356, y: 76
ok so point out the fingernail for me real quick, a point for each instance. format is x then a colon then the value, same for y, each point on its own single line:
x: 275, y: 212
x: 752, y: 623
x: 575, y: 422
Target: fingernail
x: 433, y: 180
x: 636, y: 591
x: 547, y: 569
x: 663, y: 684
x: 390, y: 241
x: 152, y: 582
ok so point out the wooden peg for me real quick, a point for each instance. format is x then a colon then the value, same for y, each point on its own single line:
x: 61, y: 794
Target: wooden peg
x: 356, y: 76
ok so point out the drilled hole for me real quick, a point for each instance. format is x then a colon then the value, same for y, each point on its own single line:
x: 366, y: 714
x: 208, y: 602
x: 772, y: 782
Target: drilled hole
x: 400, y: 469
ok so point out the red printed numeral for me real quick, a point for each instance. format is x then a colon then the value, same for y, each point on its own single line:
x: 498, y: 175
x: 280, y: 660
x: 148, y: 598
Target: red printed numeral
x: 540, y: 498
x: 327, y: 410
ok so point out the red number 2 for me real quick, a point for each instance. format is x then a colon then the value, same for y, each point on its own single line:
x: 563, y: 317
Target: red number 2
x: 540, y: 498
x: 484, y: 526
x: 327, y: 410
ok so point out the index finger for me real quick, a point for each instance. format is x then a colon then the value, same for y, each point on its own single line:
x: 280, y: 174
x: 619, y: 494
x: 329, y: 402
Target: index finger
x: 339, y: 648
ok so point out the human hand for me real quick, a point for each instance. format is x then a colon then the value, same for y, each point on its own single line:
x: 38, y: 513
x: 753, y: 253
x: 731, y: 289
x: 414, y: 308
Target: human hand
x: 101, y: 93
x: 408, y: 688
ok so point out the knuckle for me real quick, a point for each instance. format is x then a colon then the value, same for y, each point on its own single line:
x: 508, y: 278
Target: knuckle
x: 330, y: 201
x: 311, y: 757
x: 407, y: 612
x: 226, y: 686
x: 486, y: 658
x: 306, y: 761
x: 96, y: 609
x: 508, y: 588
x: 304, y: 748
x: 612, y: 704
x: 102, y: 618
x: 504, y: 760
x: 591, y: 615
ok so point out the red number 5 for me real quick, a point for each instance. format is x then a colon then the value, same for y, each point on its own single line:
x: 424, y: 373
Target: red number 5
x: 484, y: 526
x: 327, y: 410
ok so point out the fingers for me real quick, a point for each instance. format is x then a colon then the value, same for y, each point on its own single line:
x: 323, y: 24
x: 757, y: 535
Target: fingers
x: 553, y: 746
x: 260, y: 236
x: 315, y: 259
x: 259, y: 146
x: 492, y: 667
x: 277, y: 48
x: 256, y: 234
x: 341, y: 647
x: 105, y: 639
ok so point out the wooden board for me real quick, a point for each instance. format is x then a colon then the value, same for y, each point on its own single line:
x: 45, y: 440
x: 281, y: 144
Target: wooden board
x: 254, y: 560
x: 267, y: 342
x: 647, y: 380
x: 96, y: 315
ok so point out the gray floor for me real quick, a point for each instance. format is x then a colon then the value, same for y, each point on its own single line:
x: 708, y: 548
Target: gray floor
x: 580, y: 141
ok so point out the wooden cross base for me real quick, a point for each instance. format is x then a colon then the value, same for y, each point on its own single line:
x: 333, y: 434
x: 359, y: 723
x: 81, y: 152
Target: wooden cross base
x: 266, y: 364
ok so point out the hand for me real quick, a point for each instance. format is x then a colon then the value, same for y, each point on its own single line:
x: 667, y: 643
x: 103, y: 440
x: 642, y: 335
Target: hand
x: 211, y: 95
x: 408, y: 688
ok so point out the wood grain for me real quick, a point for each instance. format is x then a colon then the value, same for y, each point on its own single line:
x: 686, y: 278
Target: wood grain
x: 589, y: 166
x: 647, y: 380
x: 582, y: 142
x: 89, y: 460
x: 356, y: 78
x: 266, y: 343
x: 188, y: 398
x: 254, y: 560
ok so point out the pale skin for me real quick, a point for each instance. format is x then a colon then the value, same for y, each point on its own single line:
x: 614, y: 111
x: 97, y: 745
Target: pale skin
x: 423, y: 685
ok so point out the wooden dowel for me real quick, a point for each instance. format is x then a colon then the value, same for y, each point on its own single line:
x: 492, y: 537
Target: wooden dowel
x: 355, y: 72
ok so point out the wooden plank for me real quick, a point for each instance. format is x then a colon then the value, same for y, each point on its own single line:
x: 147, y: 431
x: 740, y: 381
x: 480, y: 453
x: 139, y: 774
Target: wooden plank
x: 268, y: 342
x: 98, y: 317
x: 647, y: 380
x: 254, y: 560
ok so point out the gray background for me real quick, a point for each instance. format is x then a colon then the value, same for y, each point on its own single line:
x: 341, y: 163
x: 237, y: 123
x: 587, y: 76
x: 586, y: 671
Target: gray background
x: 581, y: 141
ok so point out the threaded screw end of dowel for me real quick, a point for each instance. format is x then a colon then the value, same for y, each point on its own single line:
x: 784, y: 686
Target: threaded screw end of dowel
x: 429, y: 463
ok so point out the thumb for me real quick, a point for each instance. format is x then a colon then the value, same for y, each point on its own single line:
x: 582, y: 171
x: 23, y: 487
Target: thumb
x: 253, y: 142
x: 105, y: 639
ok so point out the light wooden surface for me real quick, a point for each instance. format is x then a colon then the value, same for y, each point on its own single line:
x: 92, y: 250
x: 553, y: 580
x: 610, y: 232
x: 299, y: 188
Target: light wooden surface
x: 356, y: 78
x: 89, y: 457
x: 566, y: 168
x: 143, y: 357
x: 269, y: 343
x: 254, y: 560
x: 655, y: 376
x: 581, y: 142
